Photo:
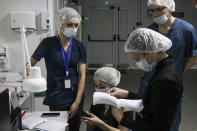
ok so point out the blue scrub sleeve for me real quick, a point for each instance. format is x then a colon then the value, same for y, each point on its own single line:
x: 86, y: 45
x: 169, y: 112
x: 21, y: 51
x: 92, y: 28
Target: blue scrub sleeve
x: 191, y: 43
x: 40, y: 51
x: 82, y: 53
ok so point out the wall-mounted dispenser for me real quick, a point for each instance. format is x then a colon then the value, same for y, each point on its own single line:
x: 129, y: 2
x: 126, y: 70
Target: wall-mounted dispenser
x: 44, y: 20
x: 26, y: 18
x: 3, y: 58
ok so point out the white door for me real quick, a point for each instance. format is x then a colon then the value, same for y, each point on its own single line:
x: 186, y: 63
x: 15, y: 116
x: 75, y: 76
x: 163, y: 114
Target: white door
x: 101, y: 37
x: 106, y: 31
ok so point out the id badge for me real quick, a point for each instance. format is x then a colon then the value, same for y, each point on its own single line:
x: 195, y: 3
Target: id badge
x: 67, y: 83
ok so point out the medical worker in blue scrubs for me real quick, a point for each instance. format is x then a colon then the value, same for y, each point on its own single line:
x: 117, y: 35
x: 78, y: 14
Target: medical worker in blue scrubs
x: 65, y: 59
x: 184, y: 43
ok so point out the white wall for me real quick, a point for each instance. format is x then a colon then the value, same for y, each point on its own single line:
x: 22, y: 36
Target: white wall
x: 12, y: 39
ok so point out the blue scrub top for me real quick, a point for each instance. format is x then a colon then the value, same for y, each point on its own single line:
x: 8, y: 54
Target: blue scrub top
x: 184, y: 45
x: 50, y: 49
x: 184, y: 41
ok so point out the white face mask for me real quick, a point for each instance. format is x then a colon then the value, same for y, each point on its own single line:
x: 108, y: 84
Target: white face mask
x: 145, y: 66
x: 161, y: 20
x: 105, y: 90
x: 68, y: 32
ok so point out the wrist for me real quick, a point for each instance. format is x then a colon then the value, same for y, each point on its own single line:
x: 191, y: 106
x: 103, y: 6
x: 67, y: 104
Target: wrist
x: 126, y: 93
x: 77, y: 101
x: 101, y: 124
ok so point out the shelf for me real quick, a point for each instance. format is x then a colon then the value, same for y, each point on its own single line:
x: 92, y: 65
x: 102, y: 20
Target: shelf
x: 4, y: 70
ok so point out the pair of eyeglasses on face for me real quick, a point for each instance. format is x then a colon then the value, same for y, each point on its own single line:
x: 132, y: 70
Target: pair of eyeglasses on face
x: 159, y: 10
x: 101, y: 86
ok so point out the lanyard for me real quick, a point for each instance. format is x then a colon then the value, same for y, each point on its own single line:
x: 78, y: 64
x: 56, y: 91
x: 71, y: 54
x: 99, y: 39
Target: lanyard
x: 66, y: 63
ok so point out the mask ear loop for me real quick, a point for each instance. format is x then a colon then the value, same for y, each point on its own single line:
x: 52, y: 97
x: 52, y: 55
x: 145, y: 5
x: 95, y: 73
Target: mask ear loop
x: 58, y: 31
x: 145, y: 54
x: 155, y: 58
x: 167, y: 16
x: 168, y: 13
x: 108, y: 85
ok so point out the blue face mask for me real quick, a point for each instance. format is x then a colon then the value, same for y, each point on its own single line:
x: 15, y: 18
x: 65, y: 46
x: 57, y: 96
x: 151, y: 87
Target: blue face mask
x: 68, y: 32
x: 145, y: 66
x: 161, y: 20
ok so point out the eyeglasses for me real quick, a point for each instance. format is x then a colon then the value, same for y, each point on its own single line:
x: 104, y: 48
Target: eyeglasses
x: 160, y: 9
x: 101, y: 86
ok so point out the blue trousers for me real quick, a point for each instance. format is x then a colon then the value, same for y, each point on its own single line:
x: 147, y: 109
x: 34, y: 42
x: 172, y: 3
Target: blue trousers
x: 177, y: 118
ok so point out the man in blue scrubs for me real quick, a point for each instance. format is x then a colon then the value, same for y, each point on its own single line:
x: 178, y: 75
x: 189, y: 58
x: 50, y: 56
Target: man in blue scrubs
x: 184, y: 43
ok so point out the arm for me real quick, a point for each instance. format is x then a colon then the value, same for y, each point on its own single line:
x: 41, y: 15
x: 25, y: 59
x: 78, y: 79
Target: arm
x: 38, y: 54
x: 118, y: 93
x: 82, y: 71
x: 121, y: 93
x: 80, y: 89
x: 94, y: 120
x: 191, y: 48
x: 106, y: 127
x: 190, y: 63
x: 122, y: 128
x: 81, y: 84
x: 33, y: 63
x: 163, y: 99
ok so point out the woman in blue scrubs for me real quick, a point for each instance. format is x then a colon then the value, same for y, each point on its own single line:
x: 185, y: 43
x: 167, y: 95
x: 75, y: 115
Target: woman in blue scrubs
x: 65, y: 59
x: 184, y: 43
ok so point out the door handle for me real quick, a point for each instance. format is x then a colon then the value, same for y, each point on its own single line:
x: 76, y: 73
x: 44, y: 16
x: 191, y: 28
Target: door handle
x: 113, y: 39
x: 119, y: 39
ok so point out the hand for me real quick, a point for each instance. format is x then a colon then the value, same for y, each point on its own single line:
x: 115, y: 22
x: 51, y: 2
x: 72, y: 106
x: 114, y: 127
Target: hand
x: 73, y: 109
x: 27, y: 69
x: 118, y: 93
x: 92, y: 120
x: 117, y: 113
